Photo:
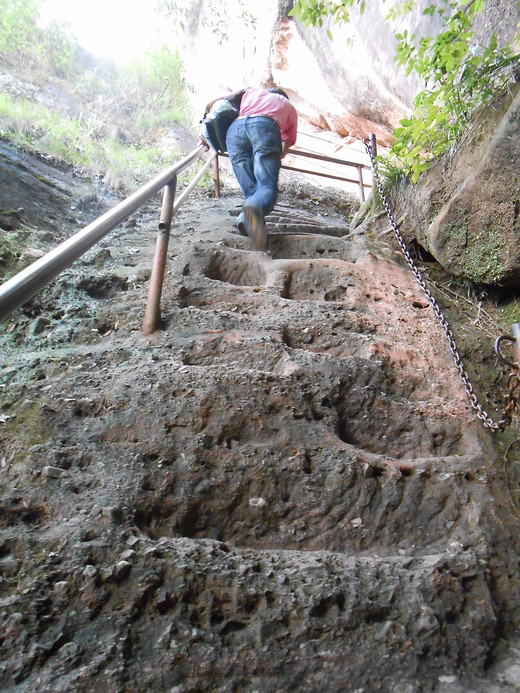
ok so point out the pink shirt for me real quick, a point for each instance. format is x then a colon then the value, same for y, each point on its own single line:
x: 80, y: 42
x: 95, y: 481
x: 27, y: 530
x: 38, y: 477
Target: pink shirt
x: 258, y: 102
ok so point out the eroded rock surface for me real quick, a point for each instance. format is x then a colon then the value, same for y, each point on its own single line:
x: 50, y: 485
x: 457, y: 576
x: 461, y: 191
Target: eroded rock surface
x: 284, y: 488
x: 465, y: 209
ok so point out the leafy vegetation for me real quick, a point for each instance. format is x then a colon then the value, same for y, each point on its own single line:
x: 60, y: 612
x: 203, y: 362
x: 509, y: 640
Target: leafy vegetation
x: 460, y: 77
x: 313, y: 12
x: 217, y: 17
x: 27, y: 45
x: 121, y: 112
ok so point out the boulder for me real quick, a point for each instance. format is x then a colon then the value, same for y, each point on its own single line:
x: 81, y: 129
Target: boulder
x: 465, y: 209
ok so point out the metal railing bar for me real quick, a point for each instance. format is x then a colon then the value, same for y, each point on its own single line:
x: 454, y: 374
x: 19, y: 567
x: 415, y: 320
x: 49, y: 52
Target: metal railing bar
x: 325, y: 175
x: 323, y: 157
x: 339, y: 145
x: 319, y: 157
x: 24, y: 285
x: 184, y: 194
x: 303, y: 148
x: 318, y: 167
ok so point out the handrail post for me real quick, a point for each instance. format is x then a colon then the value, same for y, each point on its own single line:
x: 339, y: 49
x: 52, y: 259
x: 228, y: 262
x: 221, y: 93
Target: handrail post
x: 373, y: 144
x: 515, y: 331
x: 216, y: 178
x: 361, y: 189
x: 373, y: 147
x: 152, y: 315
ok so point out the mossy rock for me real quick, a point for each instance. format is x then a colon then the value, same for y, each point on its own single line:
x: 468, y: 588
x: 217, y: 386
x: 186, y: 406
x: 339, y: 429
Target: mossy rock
x: 466, y: 210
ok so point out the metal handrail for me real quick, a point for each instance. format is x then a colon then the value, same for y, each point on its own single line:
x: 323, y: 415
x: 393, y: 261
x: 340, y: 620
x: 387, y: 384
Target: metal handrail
x: 320, y: 157
x: 333, y: 160
x: 24, y: 285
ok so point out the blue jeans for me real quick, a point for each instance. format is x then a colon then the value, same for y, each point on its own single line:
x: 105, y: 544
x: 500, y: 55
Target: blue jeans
x: 254, y: 145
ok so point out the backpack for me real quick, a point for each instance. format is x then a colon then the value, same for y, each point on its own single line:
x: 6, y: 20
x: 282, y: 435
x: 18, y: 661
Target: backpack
x: 216, y: 122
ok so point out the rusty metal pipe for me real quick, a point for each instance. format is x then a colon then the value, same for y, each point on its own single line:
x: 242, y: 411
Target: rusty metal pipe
x: 216, y: 178
x: 373, y: 144
x: 24, y: 285
x: 373, y: 147
x: 152, y: 314
x: 361, y: 189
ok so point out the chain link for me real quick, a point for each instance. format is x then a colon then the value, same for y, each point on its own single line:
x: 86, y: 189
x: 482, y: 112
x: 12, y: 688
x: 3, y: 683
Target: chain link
x: 513, y: 380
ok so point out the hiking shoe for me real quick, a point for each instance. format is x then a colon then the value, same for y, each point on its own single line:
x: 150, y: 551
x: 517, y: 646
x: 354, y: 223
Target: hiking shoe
x: 255, y: 227
x: 241, y: 224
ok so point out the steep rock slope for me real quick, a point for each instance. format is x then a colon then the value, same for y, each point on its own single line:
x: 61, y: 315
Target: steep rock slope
x: 283, y: 488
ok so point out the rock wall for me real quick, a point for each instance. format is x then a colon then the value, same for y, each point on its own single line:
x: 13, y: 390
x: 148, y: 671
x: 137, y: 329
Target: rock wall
x: 465, y: 208
x: 350, y: 85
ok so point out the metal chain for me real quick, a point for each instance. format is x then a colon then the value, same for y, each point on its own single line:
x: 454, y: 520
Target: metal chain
x: 513, y: 380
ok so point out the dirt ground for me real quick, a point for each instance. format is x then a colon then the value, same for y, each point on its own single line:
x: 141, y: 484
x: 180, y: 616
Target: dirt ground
x: 282, y: 488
